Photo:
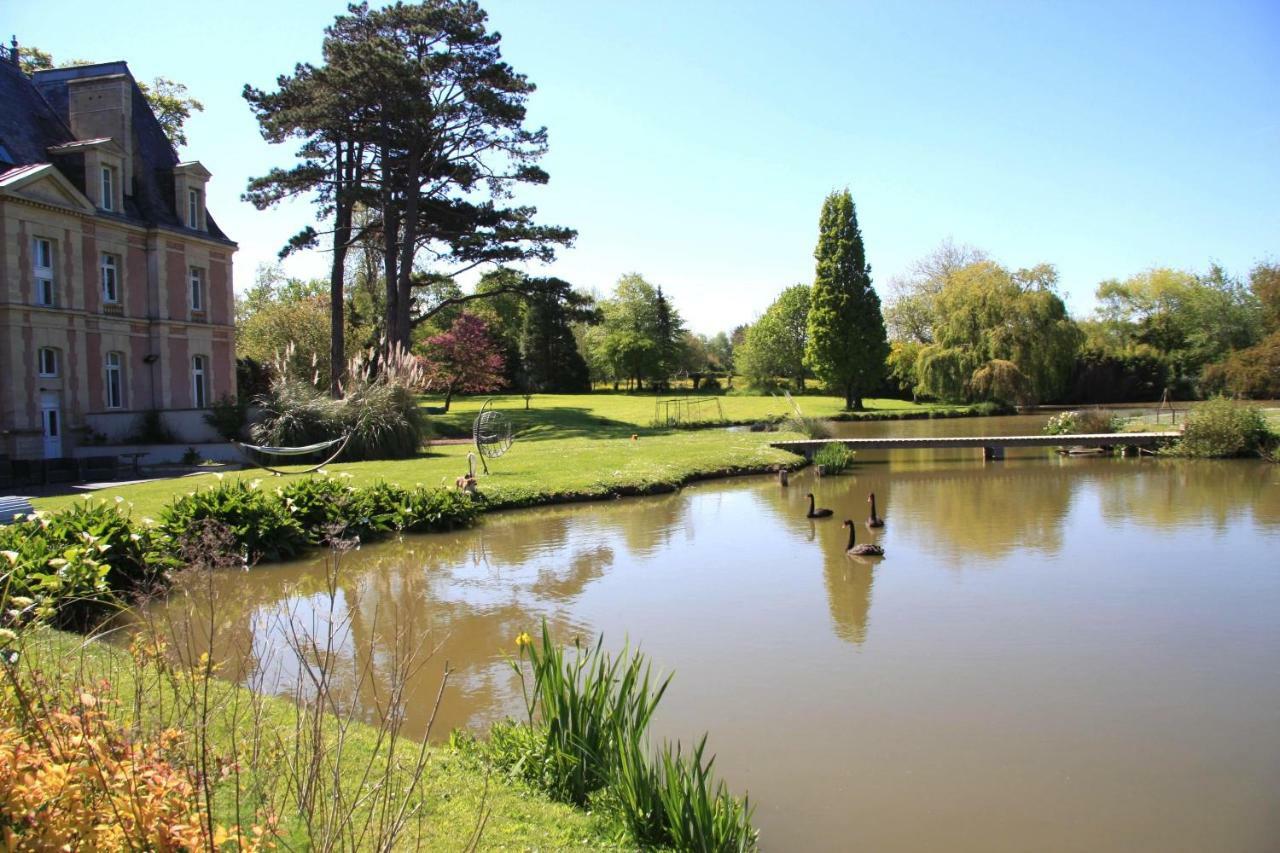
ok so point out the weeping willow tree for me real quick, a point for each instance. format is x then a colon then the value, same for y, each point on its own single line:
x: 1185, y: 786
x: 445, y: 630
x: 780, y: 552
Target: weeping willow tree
x: 996, y: 335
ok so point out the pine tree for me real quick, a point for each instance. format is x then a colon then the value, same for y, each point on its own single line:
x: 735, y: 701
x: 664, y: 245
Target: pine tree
x: 548, y: 351
x: 847, y: 344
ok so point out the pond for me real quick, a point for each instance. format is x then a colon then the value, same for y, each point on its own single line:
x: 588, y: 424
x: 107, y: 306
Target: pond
x: 1056, y: 653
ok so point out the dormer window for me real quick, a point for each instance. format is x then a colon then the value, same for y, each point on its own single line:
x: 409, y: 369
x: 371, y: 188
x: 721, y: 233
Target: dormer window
x: 108, y: 188
x: 195, y: 209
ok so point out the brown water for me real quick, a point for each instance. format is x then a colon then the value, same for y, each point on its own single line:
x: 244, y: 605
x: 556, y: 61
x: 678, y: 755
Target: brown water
x: 1055, y: 654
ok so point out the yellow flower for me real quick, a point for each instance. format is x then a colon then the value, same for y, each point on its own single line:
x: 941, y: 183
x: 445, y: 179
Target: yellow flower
x: 523, y: 639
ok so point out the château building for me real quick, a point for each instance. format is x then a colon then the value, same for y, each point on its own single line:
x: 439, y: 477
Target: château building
x: 115, y: 280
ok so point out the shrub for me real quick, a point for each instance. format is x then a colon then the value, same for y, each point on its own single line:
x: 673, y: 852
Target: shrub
x: 71, y: 563
x: 261, y: 523
x: 41, y: 581
x: 1221, y: 428
x: 151, y: 429
x: 1087, y: 421
x: 833, y: 457
x: 72, y: 779
x: 228, y: 416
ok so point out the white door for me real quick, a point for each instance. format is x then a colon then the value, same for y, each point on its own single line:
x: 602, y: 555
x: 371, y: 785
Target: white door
x: 51, y: 421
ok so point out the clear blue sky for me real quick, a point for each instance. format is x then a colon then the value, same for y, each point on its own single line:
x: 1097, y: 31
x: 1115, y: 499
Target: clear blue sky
x: 694, y: 142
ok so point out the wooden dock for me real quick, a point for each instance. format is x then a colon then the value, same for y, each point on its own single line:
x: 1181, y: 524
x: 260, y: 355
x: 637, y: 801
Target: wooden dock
x: 992, y: 446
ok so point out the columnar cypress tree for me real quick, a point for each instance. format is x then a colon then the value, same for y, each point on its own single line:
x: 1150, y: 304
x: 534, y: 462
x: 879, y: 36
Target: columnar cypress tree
x: 847, y: 344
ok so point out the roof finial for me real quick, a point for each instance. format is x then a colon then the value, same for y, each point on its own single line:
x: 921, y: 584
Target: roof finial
x: 13, y: 54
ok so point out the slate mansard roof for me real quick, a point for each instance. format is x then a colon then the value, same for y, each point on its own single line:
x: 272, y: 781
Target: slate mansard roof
x: 34, y: 118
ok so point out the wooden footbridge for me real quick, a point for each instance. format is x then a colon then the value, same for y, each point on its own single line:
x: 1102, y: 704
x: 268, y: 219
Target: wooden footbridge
x: 992, y: 446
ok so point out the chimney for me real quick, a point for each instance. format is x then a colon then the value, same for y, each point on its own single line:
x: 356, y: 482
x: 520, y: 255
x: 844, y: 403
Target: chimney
x: 103, y: 106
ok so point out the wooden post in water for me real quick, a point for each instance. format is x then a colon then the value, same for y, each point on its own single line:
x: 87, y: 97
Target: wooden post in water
x: 992, y: 454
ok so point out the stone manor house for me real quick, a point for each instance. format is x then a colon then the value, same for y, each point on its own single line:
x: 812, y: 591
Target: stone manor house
x: 115, y: 281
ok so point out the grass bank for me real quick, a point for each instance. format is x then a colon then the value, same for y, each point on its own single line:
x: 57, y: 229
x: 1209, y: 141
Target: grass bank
x: 255, y: 742
x: 552, y: 416
x: 533, y: 472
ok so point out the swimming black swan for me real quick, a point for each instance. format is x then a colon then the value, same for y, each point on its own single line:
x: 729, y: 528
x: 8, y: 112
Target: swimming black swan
x: 816, y: 513
x: 874, y: 520
x: 864, y: 550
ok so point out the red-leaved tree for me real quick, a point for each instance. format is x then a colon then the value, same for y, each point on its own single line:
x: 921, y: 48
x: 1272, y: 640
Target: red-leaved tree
x: 464, y: 358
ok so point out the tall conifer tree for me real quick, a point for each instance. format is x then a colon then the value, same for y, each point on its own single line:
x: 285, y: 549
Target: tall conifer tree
x: 847, y: 344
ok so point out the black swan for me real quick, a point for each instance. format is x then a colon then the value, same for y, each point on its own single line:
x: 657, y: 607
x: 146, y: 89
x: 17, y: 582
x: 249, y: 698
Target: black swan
x: 863, y: 550
x: 874, y: 520
x: 816, y: 513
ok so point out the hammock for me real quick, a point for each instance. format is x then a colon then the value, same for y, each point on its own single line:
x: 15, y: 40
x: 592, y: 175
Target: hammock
x: 293, y: 451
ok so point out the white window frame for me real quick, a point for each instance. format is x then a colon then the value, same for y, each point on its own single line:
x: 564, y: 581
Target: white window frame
x: 42, y: 268
x: 113, y: 368
x: 110, y: 267
x: 108, y: 188
x: 47, y: 362
x: 194, y: 209
x: 195, y: 290
x: 199, y: 382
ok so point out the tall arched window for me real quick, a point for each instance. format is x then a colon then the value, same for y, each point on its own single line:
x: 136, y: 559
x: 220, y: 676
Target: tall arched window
x: 199, y: 381
x: 115, y: 381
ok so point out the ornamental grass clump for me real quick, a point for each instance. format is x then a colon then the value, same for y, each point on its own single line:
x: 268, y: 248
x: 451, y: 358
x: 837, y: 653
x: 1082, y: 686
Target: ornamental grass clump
x: 833, y: 457
x: 379, y: 410
x: 586, y: 741
x: 582, y: 710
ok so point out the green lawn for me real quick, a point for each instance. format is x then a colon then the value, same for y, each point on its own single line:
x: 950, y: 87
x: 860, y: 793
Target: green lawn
x: 604, y: 414
x: 453, y: 793
x: 568, y: 446
x: 531, y: 472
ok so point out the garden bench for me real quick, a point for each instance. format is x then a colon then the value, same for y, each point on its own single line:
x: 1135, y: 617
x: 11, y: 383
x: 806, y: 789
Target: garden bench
x: 14, y: 505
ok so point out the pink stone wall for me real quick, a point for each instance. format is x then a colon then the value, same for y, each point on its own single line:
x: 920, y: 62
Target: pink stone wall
x: 28, y: 409
x: 177, y: 365
x: 224, y: 369
x: 135, y: 278
x: 94, y: 367
x: 137, y: 376
x: 219, y: 292
x: 24, y: 264
x: 175, y: 269
x: 92, y: 287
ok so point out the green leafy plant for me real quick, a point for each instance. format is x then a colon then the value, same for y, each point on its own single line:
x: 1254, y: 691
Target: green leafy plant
x: 1221, y: 428
x: 834, y: 458
x: 582, y: 709
x: 228, y: 416
x: 699, y: 812
x: 261, y: 523
x: 585, y: 741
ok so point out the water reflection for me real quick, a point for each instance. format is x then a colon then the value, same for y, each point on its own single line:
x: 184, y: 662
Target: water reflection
x: 991, y: 602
